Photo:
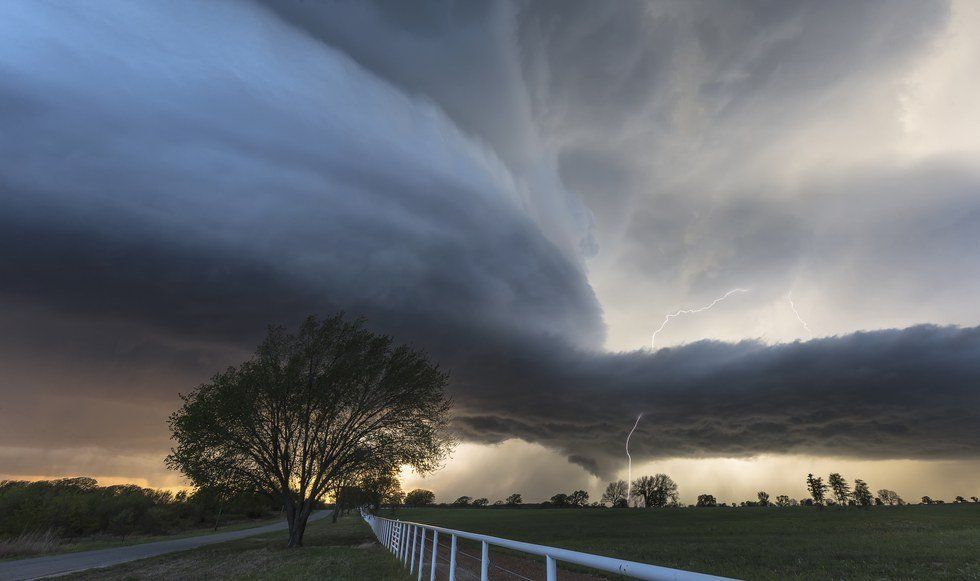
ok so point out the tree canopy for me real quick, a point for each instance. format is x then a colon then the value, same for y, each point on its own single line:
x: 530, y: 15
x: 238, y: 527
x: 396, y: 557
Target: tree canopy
x: 615, y: 494
x: 311, y: 412
x: 658, y: 490
x: 420, y: 497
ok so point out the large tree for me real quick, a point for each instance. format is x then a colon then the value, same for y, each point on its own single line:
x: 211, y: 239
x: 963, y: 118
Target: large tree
x: 311, y: 412
x: 658, y: 490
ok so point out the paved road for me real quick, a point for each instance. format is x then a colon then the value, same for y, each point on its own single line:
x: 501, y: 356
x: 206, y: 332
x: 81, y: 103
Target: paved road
x: 54, y: 565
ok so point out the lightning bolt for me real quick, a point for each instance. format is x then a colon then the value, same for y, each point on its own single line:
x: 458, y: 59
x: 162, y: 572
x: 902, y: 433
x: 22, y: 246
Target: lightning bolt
x: 792, y: 305
x: 667, y: 319
x: 629, y: 469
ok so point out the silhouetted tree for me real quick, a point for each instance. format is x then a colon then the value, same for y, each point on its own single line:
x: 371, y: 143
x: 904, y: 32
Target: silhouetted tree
x: 514, y: 499
x: 840, y: 488
x: 578, y: 498
x: 862, y: 495
x: 560, y: 500
x: 309, y: 409
x: 817, y: 489
x: 381, y: 487
x: 783, y: 501
x: 658, y: 490
x: 890, y: 497
x: 706, y: 500
x: 926, y: 500
x: 462, y: 501
x: 420, y: 497
x: 763, y: 498
x: 481, y: 502
x: 615, y: 494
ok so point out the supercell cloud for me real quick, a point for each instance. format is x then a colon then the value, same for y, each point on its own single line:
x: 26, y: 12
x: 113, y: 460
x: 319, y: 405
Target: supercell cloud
x: 522, y: 189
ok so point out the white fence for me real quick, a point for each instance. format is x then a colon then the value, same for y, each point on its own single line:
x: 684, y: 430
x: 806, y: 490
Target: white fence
x: 408, y: 540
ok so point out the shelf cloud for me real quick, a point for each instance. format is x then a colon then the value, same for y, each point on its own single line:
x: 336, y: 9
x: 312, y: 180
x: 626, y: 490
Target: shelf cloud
x: 523, y: 190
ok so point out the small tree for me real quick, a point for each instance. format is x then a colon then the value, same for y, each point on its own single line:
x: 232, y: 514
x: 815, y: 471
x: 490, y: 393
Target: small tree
x: 615, y: 494
x: 862, y: 495
x: 706, y: 500
x: 560, y: 500
x: 783, y: 501
x: 578, y: 498
x: 462, y: 501
x: 763, y: 498
x: 480, y: 502
x: 658, y: 490
x: 420, y: 497
x: 890, y: 497
x: 817, y: 489
x: 308, y: 412
x: 514, y: 499
x: 840, y: 488
x: 926, y: 500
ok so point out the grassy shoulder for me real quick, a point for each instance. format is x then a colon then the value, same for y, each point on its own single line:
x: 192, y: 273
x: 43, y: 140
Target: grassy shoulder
x: 931, y: 542
x: 345, y: 550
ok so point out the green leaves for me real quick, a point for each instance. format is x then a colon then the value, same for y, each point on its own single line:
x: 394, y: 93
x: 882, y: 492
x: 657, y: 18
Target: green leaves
x: 332, y: 403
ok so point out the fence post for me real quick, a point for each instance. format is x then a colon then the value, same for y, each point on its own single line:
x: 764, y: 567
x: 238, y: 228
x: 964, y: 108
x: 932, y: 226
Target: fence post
x: 435, y: 554
x: 415, y: 544
x: 552, y: 568
x: 421, y: 556
x: 409, y: 531
x: 452, y: 560
x: 485, y: 563
x: 403, y: 544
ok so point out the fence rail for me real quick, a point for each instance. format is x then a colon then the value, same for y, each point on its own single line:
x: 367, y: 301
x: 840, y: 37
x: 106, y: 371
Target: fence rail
x: 408, y: 541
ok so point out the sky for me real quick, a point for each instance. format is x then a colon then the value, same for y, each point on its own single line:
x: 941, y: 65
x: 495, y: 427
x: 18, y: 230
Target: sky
x: 525, y: 189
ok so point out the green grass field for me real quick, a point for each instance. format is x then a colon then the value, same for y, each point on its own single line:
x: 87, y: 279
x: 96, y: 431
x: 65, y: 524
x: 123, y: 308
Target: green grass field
x: 922, y: 542
x: 343, y: 551
x: 914, y: 542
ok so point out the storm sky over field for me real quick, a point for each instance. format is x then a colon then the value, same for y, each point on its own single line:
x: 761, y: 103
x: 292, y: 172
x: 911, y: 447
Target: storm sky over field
x: 524, y: 189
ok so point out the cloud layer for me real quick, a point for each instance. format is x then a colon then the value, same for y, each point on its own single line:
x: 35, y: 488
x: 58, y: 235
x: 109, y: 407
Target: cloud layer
x: 513, y: 187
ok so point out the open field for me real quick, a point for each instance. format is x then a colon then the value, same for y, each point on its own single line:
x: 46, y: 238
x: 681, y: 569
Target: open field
x: 342, y: 551
x: 934, y: 542
x: 751, y: 543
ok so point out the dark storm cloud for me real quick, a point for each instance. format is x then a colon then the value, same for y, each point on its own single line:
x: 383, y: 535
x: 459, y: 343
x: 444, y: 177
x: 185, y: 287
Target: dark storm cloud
x: 908, y: 393
x: 178, y: 176
x: 231, y: 201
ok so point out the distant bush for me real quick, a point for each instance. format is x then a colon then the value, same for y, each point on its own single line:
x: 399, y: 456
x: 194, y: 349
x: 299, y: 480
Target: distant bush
x: 79, y: 507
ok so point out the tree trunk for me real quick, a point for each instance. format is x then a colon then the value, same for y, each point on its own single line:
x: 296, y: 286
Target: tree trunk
x: 217, y: 517
x: 298, y: 516
x: 336, y: 511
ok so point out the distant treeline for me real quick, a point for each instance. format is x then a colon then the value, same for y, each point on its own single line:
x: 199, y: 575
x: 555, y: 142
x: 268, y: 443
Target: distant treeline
x: 661, y: 491
x: 78, y: 507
